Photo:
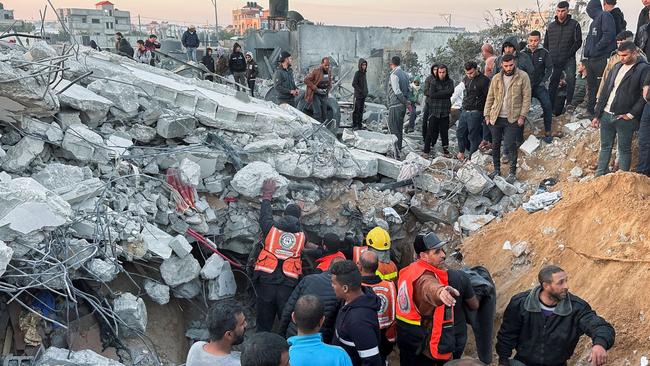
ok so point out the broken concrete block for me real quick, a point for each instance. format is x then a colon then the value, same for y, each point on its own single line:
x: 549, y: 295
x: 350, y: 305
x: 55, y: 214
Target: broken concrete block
x: 172, y: 126
x: 63, y: 357
x: 57, y: 176
x: 476, y: 205
x: 84, y: 144
x: 5, y: 256
x: 519, y: 249
x: 294, y: 164
x: 54, y: 133
x: 4, y: 177
x: 118, y: 145
x: 248, y: 181
x: 180, y: 246
x: 223, y: 286
x: 370, y: 141
x: 190, y: 172
x: 27, y: 96
x: 505, y: 187
x: 576, y: 172
x: 177, y: 271
x: 474, y: 178
x: 277, y: 144
x: 187, y: 290
x: 158, y: 292
x: 40, y: 50
x: 26, y: 206
x: 82, y: 190
x: 93, y: 105
x: 22, y: 154
x: 124, y: 97
x: 530, y: 145
x: 216, y: 184
x: 366, y: 163
x: 571, y: 128
x: 103, y: 270
x: 474, y: 222
x: 132, y: 311
x: 157, y: 241
x: 213, y: 267
x: 68, y: 118
x: 142, y: 133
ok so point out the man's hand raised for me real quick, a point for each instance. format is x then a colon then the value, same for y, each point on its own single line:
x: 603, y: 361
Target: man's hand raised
x: 268, y: 189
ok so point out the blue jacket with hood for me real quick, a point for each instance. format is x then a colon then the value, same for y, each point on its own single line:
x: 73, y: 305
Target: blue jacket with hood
x: 601, y: 39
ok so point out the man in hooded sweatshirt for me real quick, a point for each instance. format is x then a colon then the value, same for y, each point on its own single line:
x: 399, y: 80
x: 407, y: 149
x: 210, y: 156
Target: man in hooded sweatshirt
x: 360, y: 86
x: 601, y: 41
x: 357, y: 325
x: 522, y: 60
x: 279, y: 264
x: 237, y: 65
x: 251, y: 72
x: 619, y: 19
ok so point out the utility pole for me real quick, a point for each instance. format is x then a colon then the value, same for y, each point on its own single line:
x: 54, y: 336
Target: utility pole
x: 139, y: 25
x: 216, y: 22
x: 447, y: 18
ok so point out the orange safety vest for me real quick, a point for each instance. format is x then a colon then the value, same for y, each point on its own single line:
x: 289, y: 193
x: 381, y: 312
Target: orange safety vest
x: 282, y: 246
x: 387, y: 293
x: 325, y: 262
x: 386, y: 271
x: 407, y: 311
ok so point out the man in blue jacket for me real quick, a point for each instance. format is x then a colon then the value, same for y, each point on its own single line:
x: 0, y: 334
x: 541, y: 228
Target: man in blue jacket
x: 307, y: 348
x: 600, y: 43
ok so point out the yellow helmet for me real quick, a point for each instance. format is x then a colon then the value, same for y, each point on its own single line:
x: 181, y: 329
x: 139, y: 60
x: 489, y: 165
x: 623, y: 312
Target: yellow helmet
x: 378, y: 238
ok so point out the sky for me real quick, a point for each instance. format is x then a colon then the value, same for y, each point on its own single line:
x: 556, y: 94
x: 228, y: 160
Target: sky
x: 395, y: 13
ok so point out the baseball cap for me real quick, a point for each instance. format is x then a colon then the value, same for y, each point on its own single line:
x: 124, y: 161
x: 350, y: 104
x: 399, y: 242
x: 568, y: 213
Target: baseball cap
x: 424, y: 242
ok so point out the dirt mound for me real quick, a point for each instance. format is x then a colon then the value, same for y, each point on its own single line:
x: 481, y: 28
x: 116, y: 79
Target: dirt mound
x: 600, y: 234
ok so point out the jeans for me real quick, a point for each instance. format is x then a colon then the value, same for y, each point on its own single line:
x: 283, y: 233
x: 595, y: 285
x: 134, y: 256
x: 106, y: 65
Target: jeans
x: 470, y: 127
x: 540, y: 93
x: 610, y: 127
x: 487, y: 134
x: 509, y: 133
x: 643, y: 167
x: 319, y: 107
x: 357, y: 114
x: 437, y: 126
x: 569, y: 69
x: 595, y: 69
x: 396, y: 115
x: 425, y: 120
x: 240, y: 78
x: 251, y: 86
x: 191, y: 54
x: 413, y: 112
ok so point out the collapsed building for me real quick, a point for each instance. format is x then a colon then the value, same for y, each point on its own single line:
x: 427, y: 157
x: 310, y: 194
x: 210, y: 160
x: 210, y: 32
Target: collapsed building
x: 125, y: 189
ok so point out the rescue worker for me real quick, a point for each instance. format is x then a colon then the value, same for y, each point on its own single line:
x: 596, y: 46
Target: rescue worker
x: 378, y: 241
x: 424, y: 309
x: 278, y: 266
x: 332, y: 249
x: 387, y: 293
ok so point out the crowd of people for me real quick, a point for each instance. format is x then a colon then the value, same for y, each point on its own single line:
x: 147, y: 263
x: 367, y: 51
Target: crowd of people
x: 344, y: 302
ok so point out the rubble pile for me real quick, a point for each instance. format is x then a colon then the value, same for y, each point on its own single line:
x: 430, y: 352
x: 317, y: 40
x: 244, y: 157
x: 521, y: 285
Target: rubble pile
x: 110, y: 164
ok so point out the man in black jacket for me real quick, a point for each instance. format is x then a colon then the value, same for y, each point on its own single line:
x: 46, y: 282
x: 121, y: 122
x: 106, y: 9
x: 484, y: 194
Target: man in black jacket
x: 251, y: 72
x: 190, y: 40
x: 237, y: 65
x: 122, y: 46
x: 620, y: 106
x: 320, y: 285
x: 619, y: 19
x: 360, y: 86
x: 278, y: 264
x: 563, y: 39
x: 542, y: 69
x: 643, y: 15
x: 470, y: 124
x: 357, y: 326
x: 208, y: 61
x: 545, y: 324
x: 283, y: 81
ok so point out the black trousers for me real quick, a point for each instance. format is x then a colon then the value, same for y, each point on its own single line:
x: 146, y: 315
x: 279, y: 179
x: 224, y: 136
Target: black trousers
x: 437, y: 126
x: 425, y: 120
x: 409, y: 342
x: 509, y: 133
x: 270, y: 302
x: 251, y: 86
x: 357, y: 114
x: 595, y: 69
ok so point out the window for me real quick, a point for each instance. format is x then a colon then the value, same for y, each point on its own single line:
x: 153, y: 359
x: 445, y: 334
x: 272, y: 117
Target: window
x: 84, y: 20
x: 116, y: 20
x: 95, y: 21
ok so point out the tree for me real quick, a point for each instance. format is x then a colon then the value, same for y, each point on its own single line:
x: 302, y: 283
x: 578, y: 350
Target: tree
x: 411, y: 64
x: 459, y: 49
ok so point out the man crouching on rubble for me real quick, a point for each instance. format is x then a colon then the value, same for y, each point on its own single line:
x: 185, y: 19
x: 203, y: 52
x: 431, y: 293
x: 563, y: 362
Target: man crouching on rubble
x: 278, y: 264
x: 545, y: 324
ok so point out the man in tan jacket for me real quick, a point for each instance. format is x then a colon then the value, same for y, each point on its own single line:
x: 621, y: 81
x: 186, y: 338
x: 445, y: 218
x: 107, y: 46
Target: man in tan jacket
x: 319, y: 84
x: 506, y: 108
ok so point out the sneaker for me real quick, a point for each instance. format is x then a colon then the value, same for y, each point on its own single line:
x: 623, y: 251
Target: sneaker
x: 511, y: 178
x: 548, y: 139
x: 446, y: 153
x: 494, y: 174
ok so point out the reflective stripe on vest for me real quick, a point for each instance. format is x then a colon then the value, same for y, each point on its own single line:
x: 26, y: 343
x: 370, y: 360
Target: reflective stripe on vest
x: 406, y: 310
x: 281, y: 246
x: 386, y: 292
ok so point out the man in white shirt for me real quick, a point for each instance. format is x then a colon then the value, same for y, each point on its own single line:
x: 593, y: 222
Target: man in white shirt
x: 226, y: 324
x: 620, y: 106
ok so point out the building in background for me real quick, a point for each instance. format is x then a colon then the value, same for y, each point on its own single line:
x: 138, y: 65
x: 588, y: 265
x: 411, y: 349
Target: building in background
x: 7, y: 20
x: 532, y: 20
x: 99, y: 24
x: 251, y: 16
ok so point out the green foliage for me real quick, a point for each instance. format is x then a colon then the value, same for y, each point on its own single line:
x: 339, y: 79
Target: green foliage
x: 459, y: 49
x: 411, y: 63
